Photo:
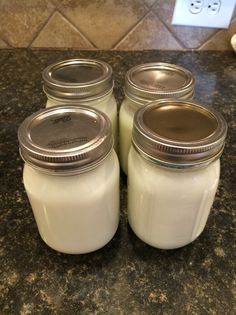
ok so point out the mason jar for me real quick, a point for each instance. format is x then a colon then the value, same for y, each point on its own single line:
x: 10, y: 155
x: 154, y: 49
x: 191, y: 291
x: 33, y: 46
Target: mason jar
x: 82, y: 82
x: 71, y: 177
x: 145, y: 83
x: 174, y: 169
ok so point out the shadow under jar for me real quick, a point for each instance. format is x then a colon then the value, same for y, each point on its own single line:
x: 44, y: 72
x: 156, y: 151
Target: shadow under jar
x: 71, y: 176
x: 86, y: 82
x: 174, y: 171
x: 145, y: 83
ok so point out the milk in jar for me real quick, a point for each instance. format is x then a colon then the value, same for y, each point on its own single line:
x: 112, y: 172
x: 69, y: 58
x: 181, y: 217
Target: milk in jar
x: 145, y: 83
x: 71, y: 176
x: 174, y: 171
x: 85, y: 82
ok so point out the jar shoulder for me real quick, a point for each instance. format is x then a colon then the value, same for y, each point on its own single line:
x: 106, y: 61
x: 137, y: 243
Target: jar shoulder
x: 110, y: 98
x: 141, y: 167
x: 129, y: 105
x: 108, y: 170
x: 127, y: 109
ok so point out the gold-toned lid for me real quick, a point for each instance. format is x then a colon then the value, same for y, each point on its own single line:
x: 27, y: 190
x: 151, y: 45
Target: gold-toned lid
x: 179, y: 132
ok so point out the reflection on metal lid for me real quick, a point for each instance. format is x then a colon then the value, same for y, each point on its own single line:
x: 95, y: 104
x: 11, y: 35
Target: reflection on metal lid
x: 158, y: 80
x: 180, y: 132
x: 78, y: 78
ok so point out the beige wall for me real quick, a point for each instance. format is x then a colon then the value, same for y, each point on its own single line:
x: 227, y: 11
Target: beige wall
x: 103, y: 24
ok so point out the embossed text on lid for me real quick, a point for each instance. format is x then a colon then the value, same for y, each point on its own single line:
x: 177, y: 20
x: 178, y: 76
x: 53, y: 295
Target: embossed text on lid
x: 65, y: 138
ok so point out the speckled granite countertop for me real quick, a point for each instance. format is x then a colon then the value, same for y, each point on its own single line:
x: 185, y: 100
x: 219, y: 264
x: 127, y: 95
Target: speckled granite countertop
x: 126, y: 276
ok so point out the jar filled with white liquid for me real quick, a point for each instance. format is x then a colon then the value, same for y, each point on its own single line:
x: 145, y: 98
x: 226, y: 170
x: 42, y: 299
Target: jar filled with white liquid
x: 174, y: 170
x: 145, y: 83
x: 84, y: 82
x: 71, y: 176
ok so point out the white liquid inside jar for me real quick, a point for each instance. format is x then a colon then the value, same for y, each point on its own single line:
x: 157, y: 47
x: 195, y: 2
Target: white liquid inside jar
x: 107, y: 104
x: 79, y: 213
x: 174, y: 170
x: 143, y: 84
x: 85, y: 82
x: 71, y: 176
x: 168, y: 208
x: 126, y: 115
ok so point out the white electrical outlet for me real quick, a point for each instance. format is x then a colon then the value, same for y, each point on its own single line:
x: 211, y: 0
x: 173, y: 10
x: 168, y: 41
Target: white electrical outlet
x: 214, y: 6
x: 195, y: 6
x: 205, y: 13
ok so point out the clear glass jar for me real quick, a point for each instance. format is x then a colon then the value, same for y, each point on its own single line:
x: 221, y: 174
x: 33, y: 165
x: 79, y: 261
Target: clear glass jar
x: 143, y: 84
x: 82, y: 82
x: 71, y: 176
x: 174, y: 171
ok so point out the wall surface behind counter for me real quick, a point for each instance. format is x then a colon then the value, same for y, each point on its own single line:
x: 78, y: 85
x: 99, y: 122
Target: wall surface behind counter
x: 103, y: 24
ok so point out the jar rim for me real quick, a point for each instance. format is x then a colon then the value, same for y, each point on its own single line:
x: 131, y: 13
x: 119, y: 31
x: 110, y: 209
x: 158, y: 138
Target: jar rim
x: 157, y: 80
x: 67, y: 138
x: 178, y: 132
x: 78, y: 78
x: 76, y: 100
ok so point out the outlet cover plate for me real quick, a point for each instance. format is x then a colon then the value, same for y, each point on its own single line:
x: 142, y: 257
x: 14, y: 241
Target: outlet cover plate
x: 183, y: 16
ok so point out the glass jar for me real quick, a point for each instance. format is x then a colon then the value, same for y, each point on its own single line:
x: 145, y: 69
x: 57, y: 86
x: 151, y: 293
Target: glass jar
x: 145, y: 83
x: 71, y: 176
x: 82, y: 82
x: 174, y: 171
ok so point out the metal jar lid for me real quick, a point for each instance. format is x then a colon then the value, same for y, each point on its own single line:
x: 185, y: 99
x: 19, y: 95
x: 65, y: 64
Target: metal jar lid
x: 158, y: 80
x: 65, y: 138
x: 78, y: 79
x: 178, y: 133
